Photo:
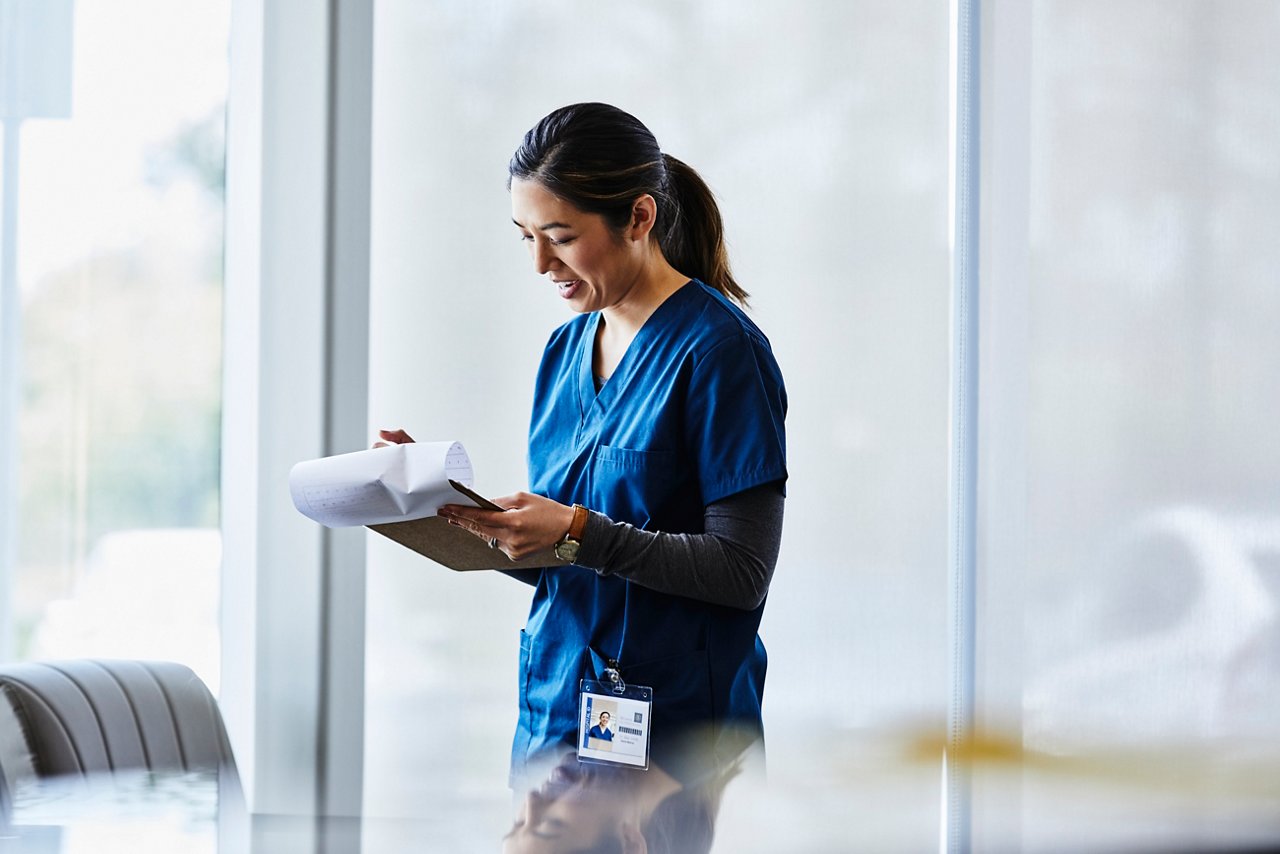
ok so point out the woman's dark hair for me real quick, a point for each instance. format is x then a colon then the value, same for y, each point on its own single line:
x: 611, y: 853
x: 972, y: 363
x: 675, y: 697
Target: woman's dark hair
x: 601, y: 159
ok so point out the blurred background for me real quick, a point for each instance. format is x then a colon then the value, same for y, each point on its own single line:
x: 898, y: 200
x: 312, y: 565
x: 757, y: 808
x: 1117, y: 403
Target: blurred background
x: 114, y: 191
x: 1129, y: 516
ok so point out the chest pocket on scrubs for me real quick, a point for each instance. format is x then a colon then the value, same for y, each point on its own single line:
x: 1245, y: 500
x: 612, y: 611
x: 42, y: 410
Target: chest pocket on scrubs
x: 631, y: 485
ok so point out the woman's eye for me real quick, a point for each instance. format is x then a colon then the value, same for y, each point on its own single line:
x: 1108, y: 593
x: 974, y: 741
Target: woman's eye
x: 529, y: 238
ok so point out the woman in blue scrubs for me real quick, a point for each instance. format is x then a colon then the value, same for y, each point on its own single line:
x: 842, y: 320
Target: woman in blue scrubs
x: 657, y: 454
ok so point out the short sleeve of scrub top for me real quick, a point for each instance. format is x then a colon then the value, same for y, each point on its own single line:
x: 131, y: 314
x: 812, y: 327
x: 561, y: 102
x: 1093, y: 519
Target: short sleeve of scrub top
x: 735, y: 419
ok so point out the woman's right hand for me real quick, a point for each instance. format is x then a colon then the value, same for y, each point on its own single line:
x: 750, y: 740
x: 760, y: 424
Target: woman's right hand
x: 392, y: 437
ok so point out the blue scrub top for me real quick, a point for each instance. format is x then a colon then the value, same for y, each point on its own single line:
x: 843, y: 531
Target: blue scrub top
x: 692, y: 414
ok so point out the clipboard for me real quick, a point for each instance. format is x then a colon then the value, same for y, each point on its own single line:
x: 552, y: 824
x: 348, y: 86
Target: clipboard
x: 456, y: 548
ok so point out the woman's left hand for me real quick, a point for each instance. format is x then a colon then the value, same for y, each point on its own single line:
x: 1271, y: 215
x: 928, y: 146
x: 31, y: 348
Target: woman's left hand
x: 529, y: 524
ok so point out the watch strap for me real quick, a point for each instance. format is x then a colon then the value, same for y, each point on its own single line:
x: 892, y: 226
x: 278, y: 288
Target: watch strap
x: 578, y: 526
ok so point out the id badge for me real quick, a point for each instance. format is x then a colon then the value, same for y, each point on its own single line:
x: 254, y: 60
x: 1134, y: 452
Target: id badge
x: 613, y: 722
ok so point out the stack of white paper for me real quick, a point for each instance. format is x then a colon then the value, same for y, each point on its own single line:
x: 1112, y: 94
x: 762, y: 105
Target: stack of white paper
x: 391, y: 484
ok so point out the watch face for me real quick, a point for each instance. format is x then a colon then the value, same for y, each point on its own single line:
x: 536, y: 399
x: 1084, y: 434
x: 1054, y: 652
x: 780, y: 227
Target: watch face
x: 567, y: 550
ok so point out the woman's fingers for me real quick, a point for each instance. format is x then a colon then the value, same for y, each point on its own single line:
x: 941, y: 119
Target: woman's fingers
x: 530, y: 523
x: 392, y: 437
x: 469, y: 519
x: 521, y: 530
x: 482, y: 523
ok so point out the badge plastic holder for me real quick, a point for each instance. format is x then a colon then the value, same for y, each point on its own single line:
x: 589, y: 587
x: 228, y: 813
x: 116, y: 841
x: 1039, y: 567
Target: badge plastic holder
x: 613, y: 722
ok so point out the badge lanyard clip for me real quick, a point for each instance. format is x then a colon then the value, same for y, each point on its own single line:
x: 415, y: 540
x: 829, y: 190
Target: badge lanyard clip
x: 619, y: 687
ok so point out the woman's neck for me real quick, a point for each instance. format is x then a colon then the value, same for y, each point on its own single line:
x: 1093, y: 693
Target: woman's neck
x: 657, y: 281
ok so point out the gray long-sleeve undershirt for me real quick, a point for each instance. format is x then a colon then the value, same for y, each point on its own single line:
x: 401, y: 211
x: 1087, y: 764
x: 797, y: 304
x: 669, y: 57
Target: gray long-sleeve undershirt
x: 730, y: 564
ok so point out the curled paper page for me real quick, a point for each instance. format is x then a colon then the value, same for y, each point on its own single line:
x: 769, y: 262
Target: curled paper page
x: 381, y: 485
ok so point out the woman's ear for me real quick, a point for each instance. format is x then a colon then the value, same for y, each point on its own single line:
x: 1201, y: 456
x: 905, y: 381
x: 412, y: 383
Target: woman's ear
x: 633, y: 841
x: 644, y: 214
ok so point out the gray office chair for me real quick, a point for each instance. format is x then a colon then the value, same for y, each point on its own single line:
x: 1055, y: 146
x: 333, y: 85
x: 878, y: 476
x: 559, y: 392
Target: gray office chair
x: 86, y: 717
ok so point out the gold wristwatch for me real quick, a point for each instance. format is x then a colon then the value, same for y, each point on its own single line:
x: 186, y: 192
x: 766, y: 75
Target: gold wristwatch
x: 567, y: 548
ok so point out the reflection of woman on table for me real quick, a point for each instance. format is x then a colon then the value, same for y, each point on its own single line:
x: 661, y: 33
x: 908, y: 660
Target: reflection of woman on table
x: 582, y: 807
x: 601, y: 730
x: 657, y: 455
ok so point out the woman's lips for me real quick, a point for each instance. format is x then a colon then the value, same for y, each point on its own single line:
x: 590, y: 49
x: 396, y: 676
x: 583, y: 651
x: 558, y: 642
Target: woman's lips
x: 568, y: 288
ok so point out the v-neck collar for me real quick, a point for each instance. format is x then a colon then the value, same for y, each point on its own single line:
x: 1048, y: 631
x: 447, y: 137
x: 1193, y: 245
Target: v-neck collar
x: 594, y: 403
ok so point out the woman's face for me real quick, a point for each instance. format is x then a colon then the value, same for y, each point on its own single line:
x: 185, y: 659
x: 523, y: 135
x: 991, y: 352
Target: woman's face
x: 592, y: 266
x: 570, y: 812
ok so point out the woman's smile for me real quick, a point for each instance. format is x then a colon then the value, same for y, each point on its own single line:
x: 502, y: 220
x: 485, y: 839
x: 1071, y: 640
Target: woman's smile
x: 568, y: 287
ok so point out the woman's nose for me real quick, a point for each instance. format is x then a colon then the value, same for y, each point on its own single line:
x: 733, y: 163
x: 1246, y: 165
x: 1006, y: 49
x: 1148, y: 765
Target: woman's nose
x: 543, y: 257
x: 534, y: 804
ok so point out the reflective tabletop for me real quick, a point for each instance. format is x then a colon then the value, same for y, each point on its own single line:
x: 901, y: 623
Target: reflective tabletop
x: 843, y: 792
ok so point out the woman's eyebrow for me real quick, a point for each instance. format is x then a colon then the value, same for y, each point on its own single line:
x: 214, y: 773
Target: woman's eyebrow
x: 546, y: 227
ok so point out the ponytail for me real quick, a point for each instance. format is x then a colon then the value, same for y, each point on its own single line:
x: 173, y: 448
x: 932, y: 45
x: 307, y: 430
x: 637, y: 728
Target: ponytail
x: 601, y: 159
x: 693, y: 237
